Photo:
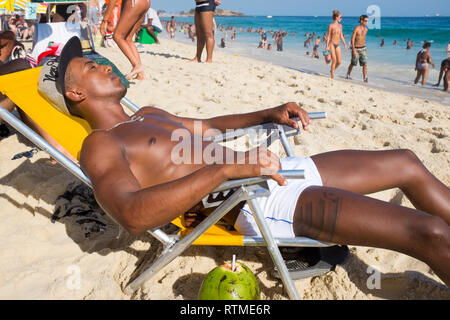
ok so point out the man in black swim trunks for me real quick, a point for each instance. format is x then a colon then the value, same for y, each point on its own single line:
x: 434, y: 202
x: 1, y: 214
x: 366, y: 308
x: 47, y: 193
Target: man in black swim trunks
x: 204, y: 14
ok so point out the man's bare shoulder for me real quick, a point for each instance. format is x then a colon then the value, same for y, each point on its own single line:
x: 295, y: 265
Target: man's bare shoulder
x: 98, y: 147
x: 150, y: 110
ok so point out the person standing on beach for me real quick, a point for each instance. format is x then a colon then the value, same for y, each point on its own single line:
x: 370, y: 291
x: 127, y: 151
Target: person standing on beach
x: 334, y: 38
x: 445, y: 65
x: 172, y: 27
x: 358, y: 45
x: 203, y: 19
x: 132, y: 14
x: 422, y: 61
x: 93, y: 14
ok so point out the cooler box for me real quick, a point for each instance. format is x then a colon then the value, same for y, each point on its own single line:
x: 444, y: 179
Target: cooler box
x: 145, y: 38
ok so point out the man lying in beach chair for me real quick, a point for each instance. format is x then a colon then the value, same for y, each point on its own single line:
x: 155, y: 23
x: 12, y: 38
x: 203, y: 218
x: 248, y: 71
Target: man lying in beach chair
x: 141, y: 184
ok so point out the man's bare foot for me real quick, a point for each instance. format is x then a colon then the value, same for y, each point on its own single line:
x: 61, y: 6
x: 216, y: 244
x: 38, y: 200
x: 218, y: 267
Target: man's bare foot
x: 195, y: 59
x: 208, y: 61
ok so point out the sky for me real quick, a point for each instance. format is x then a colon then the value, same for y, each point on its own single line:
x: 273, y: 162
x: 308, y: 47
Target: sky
x: 405, y: 8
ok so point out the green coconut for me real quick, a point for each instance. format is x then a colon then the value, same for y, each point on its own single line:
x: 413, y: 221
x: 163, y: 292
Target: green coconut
x: 222, y: 283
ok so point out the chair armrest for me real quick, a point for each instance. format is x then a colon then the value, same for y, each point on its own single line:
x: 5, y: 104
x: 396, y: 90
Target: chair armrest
x: 265, y: 126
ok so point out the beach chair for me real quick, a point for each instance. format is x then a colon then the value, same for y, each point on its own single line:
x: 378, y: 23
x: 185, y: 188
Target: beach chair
x: 71, y: 131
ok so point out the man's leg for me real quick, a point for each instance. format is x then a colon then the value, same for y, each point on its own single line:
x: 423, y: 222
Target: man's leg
x: 152, y: 34
x: 200, y: 37
x: 365, y: 73
x: 349, y: 71
x: 206, y: 25
x: 338, y: 213
x: 344, y: 217
x: 367, y: 172
x: 446, y: 80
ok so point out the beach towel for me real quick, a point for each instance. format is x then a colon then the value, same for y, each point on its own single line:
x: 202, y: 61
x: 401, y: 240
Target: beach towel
x: 57, y: 32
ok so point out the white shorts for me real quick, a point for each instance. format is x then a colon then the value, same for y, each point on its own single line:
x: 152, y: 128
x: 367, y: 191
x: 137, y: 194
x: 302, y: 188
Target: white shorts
x: 278, y: 208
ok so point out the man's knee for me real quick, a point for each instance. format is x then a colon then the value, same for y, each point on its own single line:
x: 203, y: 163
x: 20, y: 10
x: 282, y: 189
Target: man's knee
x: 209, y: 36
x: 432, y: 235
x: 413, y: 168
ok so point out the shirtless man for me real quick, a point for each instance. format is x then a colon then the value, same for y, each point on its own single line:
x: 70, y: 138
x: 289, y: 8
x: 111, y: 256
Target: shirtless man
x: 422, y: 61
x: 131, y: 163
x: 358, y: 45
x: 334, y: 38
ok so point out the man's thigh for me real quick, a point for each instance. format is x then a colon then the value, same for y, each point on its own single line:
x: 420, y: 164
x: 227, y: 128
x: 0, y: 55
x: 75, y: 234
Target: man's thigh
x: 363, y: 172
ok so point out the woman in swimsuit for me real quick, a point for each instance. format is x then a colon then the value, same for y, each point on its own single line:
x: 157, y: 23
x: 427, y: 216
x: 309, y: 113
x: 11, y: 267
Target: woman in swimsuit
x: 131, y: 16
x: 422, y: 61
x: 334, y: 38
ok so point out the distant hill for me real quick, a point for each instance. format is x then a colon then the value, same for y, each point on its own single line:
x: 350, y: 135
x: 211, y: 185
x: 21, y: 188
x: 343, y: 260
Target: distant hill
x: 219, y: 13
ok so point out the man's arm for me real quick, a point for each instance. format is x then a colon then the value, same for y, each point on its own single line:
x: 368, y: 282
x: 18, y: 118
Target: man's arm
x: 280, y: 115
x: 353, y: 41
x: 119, y: 193
x: 139, y: 209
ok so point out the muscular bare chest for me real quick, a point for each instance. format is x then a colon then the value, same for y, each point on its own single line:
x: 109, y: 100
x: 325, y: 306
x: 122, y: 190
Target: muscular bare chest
x: 150, y: 147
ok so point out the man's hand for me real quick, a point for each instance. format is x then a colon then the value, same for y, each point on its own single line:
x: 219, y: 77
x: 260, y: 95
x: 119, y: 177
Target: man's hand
x: 217, y: 2
x: 283, y: 114
x: 256, y: 162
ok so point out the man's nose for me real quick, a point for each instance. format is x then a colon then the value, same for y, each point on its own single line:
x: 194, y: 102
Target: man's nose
x: 108, y: 69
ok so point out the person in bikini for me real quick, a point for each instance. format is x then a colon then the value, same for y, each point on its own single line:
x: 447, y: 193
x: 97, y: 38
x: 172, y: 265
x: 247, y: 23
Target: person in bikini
x: 131, y: 16
x: 422, y: 61
x: 143, y: 180
x: 203, y: 19
x: 334, y: 38
x: 358, y: 46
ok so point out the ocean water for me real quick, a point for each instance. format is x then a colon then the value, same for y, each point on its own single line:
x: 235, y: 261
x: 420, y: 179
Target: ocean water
x: 390, y: 67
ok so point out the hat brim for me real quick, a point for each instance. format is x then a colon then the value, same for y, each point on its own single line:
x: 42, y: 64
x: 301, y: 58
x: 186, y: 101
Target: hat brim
x: 72, y: 49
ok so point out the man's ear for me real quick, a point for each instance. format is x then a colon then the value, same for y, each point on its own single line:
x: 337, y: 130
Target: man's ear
x: 75, y: 95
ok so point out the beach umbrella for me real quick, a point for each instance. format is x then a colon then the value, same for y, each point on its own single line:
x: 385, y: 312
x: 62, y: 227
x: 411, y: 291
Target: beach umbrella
x: 22, y: 5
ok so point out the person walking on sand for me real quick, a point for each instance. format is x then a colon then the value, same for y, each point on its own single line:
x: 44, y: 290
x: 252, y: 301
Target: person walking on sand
x: 334, y: 38
x: 422, y: 61
x: 358, y: 45
x: 133, y: 12
x: 203, y: 19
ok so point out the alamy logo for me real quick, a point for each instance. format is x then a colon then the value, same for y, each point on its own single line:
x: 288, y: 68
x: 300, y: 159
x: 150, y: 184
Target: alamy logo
x: 374, y: 13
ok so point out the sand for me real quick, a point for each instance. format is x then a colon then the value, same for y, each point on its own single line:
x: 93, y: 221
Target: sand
x: 44, y: 260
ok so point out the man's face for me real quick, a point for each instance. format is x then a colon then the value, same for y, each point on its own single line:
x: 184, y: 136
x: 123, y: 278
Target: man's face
x: 94, y: 80
x: 364, y: 21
